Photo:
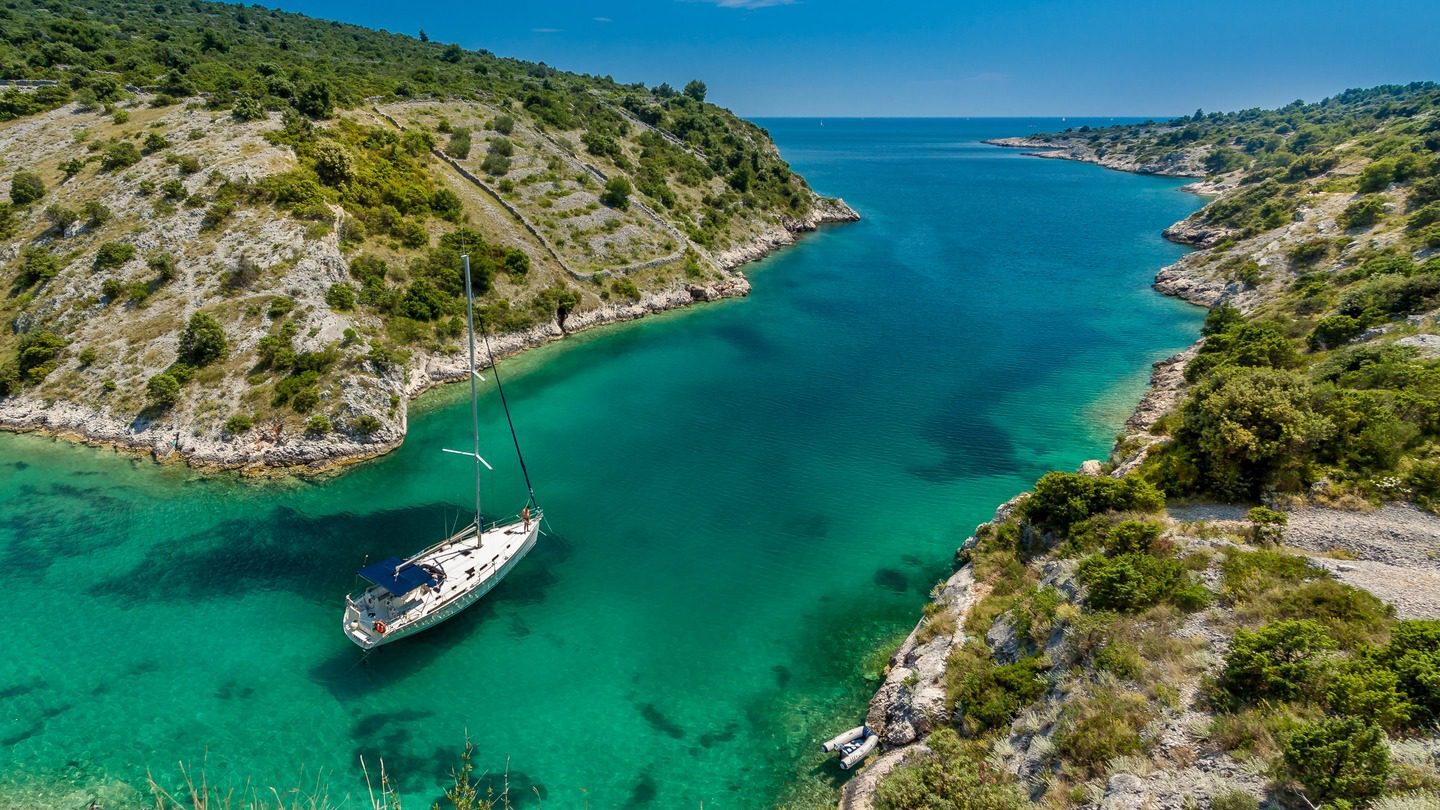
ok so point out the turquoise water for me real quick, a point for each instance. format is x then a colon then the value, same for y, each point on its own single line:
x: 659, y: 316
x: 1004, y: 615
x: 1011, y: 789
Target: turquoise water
x: 744, y: 499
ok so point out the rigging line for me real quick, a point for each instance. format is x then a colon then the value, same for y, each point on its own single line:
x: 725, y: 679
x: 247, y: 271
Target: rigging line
x: 494, y: 369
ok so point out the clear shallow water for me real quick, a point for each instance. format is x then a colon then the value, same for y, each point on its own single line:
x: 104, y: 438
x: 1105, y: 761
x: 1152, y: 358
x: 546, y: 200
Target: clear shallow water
x: 745, y: 498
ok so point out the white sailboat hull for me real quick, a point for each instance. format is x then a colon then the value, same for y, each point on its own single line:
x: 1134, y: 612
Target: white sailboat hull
x: 471, y: 570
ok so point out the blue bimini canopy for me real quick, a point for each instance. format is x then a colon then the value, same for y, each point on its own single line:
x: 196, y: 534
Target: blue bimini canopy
x: 397, y: 576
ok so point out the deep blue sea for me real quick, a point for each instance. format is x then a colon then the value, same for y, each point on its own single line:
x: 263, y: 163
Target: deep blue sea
x: 744, y: 498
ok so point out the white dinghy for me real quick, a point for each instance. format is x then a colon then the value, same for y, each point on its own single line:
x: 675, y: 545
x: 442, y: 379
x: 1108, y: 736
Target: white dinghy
x: 852, y: 746
x: 410, y: 595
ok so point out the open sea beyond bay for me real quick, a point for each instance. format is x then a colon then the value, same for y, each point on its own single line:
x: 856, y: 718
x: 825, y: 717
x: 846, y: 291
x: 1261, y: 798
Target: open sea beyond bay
x: 743, y: 499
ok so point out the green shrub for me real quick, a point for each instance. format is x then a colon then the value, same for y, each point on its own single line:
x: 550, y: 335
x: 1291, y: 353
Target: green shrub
x: 280, y: 306
x: 617, y: 193
x: 1281, y: 661
x: 120, y: 155
x: 317, y: 425
x: 625, y: 288
x: 1307, y: 253
x: 96, y: 214
x: 37, y: 353
x: 1061, y: 499
x: 1362, y: 688
x: 239, y: 423
x: 1250, y: 344
x: 163, y: 264
x: 88, y: 356
x: 113, y: 254
x: 1132, y: 582
x: 1351, y: 615
x: 1098, y: 727
x: 340, y: 297
x: 1362, y: 213
x: 1267, y: 525
x: 26, y: 187
x: 163, y: 390
x: 504, y: 124
x: 61, y: 218
x: 203, y: 340
x: 216, y: 214
x: 1413, y: 654
x: 246, y: 108
x: 495, y: 164
x: 1376, y: 176
x: 1335, y: 330
x: 459, y: 145
x: 364, y: 425
x: 37, y: 265
x: 986, y: 695
x: 956, y: 776
x: 154, y: 142
x: 1245, y: 428
x: 1133, y: 537
x: 1338, y: 759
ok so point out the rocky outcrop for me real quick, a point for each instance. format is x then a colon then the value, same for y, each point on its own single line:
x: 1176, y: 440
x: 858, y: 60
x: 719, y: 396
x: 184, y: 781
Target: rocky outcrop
x: 823, y: 210
x: 1197, y: 233
x: 1167, y: 383
x: 911, y: 702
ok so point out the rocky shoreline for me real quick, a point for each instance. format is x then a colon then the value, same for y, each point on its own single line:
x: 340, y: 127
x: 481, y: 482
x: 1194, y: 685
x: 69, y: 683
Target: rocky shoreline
x: 911, y: 700
x: 1177, y: 163
x: 262, y: 453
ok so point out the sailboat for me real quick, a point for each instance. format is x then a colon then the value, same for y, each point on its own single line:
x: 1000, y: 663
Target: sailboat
x: 407, y: 596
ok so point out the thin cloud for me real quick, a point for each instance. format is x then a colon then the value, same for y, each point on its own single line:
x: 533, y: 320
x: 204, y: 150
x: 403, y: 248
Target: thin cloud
x: 748, y: 3
x: 545, y: 30
x: 602, y: 19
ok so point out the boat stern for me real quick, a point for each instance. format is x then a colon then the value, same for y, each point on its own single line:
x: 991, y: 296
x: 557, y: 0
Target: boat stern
x: 357, y: 629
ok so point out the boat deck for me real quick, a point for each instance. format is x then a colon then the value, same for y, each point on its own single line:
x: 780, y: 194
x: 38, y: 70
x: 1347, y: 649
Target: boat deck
x: 465, y: 568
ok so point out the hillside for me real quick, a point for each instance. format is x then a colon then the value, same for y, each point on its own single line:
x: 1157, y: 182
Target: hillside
x: 236, y: 232
x: 1242, y: 606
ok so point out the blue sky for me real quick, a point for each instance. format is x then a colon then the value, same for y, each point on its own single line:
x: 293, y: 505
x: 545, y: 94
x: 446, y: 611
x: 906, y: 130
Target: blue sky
x: 958, y: 58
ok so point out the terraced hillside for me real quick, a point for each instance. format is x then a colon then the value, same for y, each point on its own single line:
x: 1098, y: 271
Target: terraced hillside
x: 236, y: 233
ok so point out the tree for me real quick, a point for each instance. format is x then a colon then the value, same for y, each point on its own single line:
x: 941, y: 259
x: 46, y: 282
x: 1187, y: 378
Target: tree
x: 617, y: 193
x: 26, y: 187
x: 316, y: 100
x: 163, y: 390
x: 695, y: 89
x: 1338, y: 759
x: 452, y: 54
x: 424, y: 37
x: 203, y: 341
x: 1244, y: 426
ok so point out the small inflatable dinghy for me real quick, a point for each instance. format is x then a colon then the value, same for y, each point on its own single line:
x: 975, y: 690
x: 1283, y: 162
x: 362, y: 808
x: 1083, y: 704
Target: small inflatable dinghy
x: 852, y: 746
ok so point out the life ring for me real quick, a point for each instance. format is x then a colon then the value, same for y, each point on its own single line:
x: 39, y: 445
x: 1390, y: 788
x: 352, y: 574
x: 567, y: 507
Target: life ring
x: 380, y: 628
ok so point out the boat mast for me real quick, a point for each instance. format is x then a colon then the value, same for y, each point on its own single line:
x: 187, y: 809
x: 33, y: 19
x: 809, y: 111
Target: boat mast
x: 474, y: 396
